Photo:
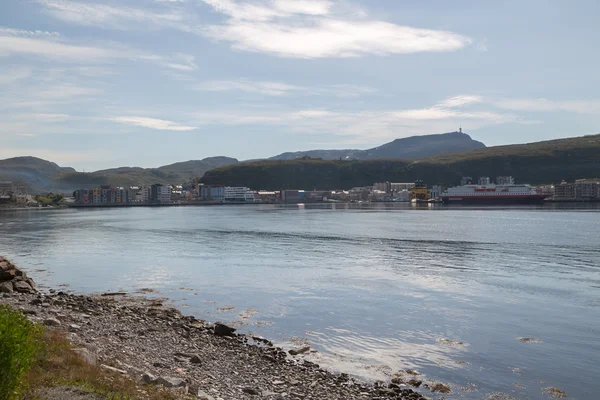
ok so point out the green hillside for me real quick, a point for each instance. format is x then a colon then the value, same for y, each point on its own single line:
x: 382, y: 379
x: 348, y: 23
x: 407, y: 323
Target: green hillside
x: 542, y: 162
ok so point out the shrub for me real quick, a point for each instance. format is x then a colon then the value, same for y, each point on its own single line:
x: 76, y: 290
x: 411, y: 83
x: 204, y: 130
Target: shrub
x: 19, y: 343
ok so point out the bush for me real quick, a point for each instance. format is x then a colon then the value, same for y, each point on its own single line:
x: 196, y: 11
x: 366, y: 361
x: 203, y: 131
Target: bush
x: 19, y: 344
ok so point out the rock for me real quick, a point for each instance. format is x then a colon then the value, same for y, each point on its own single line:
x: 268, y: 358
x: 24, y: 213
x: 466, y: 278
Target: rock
x: 415, y: 382
x: 251, y: 391
x: 294, y: 382
x: 148, y: 378
x: 301, y: 350
x: 195, y: 359
x: 52, y: 322
x: 202, y: 395
x: 22, y: 287
x: 6, y: 287
x: 113, y: 369
x: 36, y: 302
x: 276, y: 383
x: 223, y: 330
x: 169, y: 382
x: 87, y: 355
x: 74, y: 328
x: 8, y: 275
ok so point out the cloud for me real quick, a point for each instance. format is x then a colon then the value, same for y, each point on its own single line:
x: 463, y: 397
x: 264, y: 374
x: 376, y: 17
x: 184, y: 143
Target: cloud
x: 545, y: 105
x: 367, y: 126
x: 105, y: 16
x: 152, y: 123
x: 5, y: 31
x: 459, y: 101
x: 268, y: 88
x: 280, y: 88
x: 14, y: 74
x: 308, y: 29
x: 21, y: 43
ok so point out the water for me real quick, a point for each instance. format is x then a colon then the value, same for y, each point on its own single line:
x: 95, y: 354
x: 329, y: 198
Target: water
x: 374, y: 289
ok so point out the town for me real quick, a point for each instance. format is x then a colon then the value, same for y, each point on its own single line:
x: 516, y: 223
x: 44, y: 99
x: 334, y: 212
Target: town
x: 582, y: 190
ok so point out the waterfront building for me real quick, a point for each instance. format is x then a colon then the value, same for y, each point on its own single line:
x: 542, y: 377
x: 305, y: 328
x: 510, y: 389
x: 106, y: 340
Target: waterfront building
x: 435, y: 191
x: 397, y: 187
x: 240, y: 194
x: 564, y: 191
x: 587, y: 189
x: 212, y: 193
x: 268, y: 197
x: 160, y: 193
x: 383, y: 186
x: 103, y: 196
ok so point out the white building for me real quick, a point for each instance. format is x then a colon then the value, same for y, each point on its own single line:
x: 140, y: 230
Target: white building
x: 163, y: 194
x: 435, y: 191
x: 239, y: 194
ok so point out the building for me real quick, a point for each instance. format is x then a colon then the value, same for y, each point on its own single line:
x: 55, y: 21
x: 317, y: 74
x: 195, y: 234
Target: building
x: 435, y: 191
x: 402, y: 196
x: 268, y: 197
x: 383, y: 186
x: 240, y: 194
x: 160, y: 193
x: 587, y: 189
x: 564, y: 191
x: 104, y: 196
x: 398, y: 187
x: 292, y: 196
x: 211, y: 193
x: 10, y: 187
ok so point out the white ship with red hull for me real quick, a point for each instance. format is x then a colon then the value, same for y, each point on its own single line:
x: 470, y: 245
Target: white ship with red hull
x: 504, y: 192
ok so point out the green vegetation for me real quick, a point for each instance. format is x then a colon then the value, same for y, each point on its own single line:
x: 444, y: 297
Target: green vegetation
x: 50, y: 199
x: 542, y: 162
x: 33, y: 359
x: 19, y: 344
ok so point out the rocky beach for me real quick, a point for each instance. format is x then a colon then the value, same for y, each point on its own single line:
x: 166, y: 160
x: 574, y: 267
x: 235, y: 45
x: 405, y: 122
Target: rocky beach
x: 157, y: 345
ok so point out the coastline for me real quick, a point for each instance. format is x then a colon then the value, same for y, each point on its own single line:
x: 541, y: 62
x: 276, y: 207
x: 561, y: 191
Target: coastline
x: 151, y: 343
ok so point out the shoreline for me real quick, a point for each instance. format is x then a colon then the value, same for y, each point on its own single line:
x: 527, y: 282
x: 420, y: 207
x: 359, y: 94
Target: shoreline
x: 152, y: 343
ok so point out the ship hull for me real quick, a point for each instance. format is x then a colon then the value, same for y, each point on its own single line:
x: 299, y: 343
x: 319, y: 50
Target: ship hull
x: 533, y: 199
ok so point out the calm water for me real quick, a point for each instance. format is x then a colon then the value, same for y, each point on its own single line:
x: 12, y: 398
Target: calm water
x: 374, y: 290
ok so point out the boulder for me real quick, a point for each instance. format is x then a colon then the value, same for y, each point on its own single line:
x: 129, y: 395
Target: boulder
x: 148, y: 378
x: 22, y: 287
x: 223, y: 330
x: 8, y: 275
x: 202, y: 395
x: 6, y: 287
x: 301, y: 350
x: 195, y: 359
x: 169, y: 382
x: 52, y: 322
x: 88, y: 356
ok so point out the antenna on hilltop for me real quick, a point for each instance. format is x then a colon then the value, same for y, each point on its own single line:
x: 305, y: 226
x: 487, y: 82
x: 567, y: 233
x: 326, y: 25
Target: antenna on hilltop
x: 460, y: 129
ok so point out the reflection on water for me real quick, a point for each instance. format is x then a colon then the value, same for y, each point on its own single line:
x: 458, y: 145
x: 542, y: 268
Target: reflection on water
x: 374, y: 289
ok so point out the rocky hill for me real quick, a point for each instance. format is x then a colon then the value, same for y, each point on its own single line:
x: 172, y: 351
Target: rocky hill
x: 405, y: 148
x: 542, y: 162
x: 45, y: 176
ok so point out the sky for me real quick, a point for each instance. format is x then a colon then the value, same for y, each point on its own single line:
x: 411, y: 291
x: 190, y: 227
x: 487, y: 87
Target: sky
x: 97, y: 84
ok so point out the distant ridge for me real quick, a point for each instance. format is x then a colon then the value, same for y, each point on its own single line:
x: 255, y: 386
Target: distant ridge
x: 541, y: 162
x: 45, y: 176
x: 405, y: 148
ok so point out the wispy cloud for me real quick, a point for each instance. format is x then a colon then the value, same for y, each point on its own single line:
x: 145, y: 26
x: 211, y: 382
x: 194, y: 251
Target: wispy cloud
x: 280, y: 88
x: 19, y: 42
x: 309, y: 29
x: 105, y: 16
x: 367, y: 126
x: 12, y: 75
x: 152, y: 123
x: 545, y: 105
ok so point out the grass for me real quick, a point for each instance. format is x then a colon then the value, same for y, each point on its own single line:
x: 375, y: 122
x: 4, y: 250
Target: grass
x: 19, y: 344
x: 37, y: 359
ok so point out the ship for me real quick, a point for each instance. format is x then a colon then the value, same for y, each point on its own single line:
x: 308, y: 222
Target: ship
x: 504, y: 191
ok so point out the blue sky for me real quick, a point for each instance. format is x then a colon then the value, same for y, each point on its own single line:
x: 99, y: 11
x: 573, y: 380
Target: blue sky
x: 105, y: 83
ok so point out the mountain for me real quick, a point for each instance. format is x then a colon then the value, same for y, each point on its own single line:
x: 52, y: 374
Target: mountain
x: 406, y: 148
x: 44, y: 176
x: 541, y: 162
